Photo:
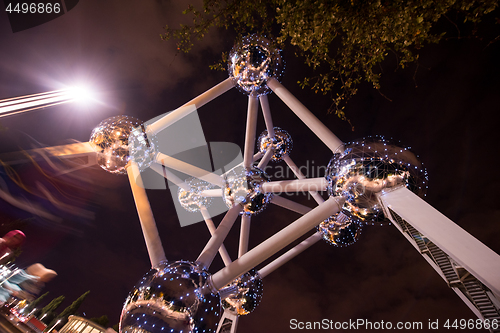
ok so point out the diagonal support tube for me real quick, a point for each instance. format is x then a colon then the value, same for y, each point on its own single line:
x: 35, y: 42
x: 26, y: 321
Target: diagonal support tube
x: 167, y: 174
x: 211, y: 228
x: 276, y: 242
x: 318, y: 128
x: 290, y: 254
x: 256, y: 157
x: 208, y: 254
x: 265, y: 160
x: 466, y: 250
x: 190, y: 106
x: 300, y: 175
x: 189, y: 169
x: 203, y: 210
x: 148, y: 224
x: 291, y: 205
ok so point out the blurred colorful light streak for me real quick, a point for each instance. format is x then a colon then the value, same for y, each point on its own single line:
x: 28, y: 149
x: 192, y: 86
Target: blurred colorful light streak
x: 21, y: 104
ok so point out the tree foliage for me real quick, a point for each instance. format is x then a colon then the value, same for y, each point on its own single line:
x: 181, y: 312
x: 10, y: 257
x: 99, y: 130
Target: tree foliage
x: 344, y: 41
x: 47, y: 312
x: 102, y: 320
x: 70, y: 310
x: 54, y: 304
x: 33, y: 304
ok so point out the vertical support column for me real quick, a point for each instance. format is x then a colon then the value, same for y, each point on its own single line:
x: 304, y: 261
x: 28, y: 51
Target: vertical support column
x: 244, y: 235
x: 148, y: 224
x: 266, y: 111
x: 253, y: 108
x: 228, y: 323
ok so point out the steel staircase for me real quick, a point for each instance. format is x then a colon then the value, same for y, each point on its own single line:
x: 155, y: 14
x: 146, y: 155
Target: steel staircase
x: 478, y: 296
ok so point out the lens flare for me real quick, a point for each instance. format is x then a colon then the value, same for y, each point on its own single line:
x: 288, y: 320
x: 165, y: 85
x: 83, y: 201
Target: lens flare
x: 21, y: 104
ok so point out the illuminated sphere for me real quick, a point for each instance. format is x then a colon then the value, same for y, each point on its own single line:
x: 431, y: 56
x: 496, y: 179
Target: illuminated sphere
x: 171, y: 297
x: 367, y: 167
x: 244, y: 187
x: 252, y: 62
x: 340, y: 230
x: 248, y: 296
x: 143, y: 147
x: 110, y: 140
x: 281, y: 142
x: 192, y: 200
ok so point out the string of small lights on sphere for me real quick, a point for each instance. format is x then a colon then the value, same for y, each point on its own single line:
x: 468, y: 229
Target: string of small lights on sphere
x: 193, y: 199
x: 248, y: 295
x: 171, y: 297
x: 281, y: 143
x: 252, y: 62
x: 244, y: 187
x: 117, y: 139
x: 367, y: 167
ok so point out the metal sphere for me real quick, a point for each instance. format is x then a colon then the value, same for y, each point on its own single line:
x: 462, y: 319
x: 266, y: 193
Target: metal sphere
x: 143, y: 147
x: 249, y: 294
x: 340, y: 230
x: 367, y: 167
x: 252, y: 62
x: 171, y: 297
x: 281, y: 143
x: 193, y: 199
x: 244, y: 187
x: 111, y: 138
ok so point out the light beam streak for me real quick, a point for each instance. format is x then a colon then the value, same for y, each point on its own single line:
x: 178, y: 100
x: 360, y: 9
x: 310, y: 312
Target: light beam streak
x: 21, y: 104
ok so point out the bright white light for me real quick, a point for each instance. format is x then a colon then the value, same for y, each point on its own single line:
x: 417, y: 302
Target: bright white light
x: 80, y: 93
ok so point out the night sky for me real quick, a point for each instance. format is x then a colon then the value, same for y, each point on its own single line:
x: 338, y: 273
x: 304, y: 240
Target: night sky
x: 446, y: 110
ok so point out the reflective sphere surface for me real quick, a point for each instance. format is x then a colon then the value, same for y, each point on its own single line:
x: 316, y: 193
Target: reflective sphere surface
x: 249, y: 294
x: 110, y: 140
x: 193, y: 199
x: 171, y: 297
x: 252, y: 62
x: 244, y: 187
x: 143, y: 147
x: 281, y: 143
x: 340, y: 230
x: 367, y: 167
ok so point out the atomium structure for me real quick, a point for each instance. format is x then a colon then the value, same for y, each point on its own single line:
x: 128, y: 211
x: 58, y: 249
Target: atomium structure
x: 370, y: 181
